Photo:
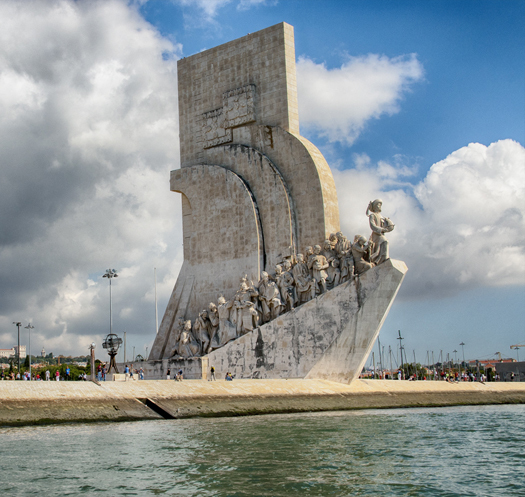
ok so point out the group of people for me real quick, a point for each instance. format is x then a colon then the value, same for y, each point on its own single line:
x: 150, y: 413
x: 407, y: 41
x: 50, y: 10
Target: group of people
x: 179, y: 376
x: 130, y: 372
x: 297, y: 279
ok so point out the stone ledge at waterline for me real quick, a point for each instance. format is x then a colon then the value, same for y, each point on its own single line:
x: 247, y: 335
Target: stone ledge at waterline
x: 24, y: 403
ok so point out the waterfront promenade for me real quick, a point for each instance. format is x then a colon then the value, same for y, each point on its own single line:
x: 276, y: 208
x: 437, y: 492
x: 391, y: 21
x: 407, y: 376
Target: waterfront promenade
x: 23, y: 403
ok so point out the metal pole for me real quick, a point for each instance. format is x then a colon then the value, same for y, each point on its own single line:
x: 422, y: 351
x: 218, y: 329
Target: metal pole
x: 374, y: 361
x: 133, y: 356
x: 92, y: 348
x: 433, y: 367
x: 110, y: 309
x: 400, y: 338
x: 29, y: 327
x: 379, y: 347
x: 390, y: 354
x: 463, y: 351
x: 18, y: 350
x: 124, y: 347
x: 383, y: 361
x: 415, y: 364
x: 156, y: 310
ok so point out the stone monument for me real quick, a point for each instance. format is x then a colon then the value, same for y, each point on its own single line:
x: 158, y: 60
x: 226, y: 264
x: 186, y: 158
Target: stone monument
x: 268, y: 280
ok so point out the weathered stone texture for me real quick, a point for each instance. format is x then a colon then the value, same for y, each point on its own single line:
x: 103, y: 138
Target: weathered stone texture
x: 329, y: 337
x: 253, y: 190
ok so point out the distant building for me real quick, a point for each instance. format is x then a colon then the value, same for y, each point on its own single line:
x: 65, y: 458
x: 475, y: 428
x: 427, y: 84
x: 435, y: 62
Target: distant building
x: 511, y: 371
x: 12, y: 352
x: 43, y: 353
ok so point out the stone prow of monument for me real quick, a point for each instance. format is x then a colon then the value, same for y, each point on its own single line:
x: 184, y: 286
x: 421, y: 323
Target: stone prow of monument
x: 254, y: 193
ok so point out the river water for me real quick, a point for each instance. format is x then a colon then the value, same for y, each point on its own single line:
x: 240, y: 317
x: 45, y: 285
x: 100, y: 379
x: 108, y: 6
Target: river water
x: 467, y: 451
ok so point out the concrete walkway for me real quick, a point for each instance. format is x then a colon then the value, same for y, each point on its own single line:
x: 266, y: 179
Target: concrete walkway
x: 51, y: 402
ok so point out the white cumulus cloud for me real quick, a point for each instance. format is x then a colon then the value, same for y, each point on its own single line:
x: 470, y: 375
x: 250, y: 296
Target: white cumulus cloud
x: 337, y: 103
x: 462, y: 227
x: 88, y: 133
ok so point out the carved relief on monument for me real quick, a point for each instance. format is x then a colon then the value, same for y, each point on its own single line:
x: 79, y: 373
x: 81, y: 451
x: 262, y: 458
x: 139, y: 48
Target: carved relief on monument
x: 238, y: 109
x: 295, y: 282
x: 239, y: 106
x: 213, y: 128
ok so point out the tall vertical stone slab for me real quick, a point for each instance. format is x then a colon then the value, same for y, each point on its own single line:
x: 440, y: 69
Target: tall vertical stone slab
x: 253, y: 190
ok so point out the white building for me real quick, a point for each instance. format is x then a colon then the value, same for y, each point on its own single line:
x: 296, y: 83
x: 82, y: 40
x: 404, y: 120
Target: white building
x: 12, y: 352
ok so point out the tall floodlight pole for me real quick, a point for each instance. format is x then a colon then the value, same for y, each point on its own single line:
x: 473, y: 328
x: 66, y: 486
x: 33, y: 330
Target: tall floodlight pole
x: 462, y: 350
x: 29, y: 327
x: 18, y: 350
x: 517, y: 349
x: 110, y: 274
x: 156, y: 310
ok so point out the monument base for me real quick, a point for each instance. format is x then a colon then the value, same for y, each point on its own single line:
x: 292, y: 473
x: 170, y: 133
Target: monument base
x: 195, y: 368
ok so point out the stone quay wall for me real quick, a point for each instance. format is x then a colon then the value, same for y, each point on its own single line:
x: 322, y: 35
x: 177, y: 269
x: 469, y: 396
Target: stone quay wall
x: 30, y: 403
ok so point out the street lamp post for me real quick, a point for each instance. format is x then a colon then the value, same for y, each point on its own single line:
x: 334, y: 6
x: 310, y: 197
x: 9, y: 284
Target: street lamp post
x: 110, y: 274
x: 29, y: 327
x: 18, y: 350
x: 463, y: 351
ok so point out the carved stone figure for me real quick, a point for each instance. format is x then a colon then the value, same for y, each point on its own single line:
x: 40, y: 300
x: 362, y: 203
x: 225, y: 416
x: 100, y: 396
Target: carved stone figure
x: 201, y: 331
x: 327, y: 251
x: 334, y: 274
x: 285, y: 282
x: 247, y: 316
x: 241, y: 314
x: 343, y: 249
x: 333, y: 271
x: 318, y: 265
x: 304, y: 283
x: 309, y: 258
x: 188, y: 346
x: 342, y: 246
x: 361, y: 252
x: 213, y: 317
x: 379, y: 226
x: 227, y: 330
x: 333, y: 240
x: 269, y: 296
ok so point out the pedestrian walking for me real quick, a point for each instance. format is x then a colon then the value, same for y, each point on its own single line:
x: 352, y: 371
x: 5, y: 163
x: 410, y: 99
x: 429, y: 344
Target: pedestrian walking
x: 168, y: 374
x: 212, y: 374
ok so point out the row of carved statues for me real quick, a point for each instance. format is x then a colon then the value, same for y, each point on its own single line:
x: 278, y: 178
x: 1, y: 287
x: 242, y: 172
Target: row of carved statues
x: 296, y: 280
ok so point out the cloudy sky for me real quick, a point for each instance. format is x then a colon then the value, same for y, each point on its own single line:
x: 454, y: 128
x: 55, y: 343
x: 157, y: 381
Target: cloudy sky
x: 419, y: 103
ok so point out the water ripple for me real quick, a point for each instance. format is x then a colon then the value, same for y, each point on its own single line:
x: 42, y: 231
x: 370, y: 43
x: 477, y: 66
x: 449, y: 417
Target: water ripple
x: 460, y: 451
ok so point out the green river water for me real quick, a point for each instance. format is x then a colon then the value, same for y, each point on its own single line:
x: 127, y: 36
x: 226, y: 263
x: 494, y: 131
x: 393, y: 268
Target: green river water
x: 467, y: 451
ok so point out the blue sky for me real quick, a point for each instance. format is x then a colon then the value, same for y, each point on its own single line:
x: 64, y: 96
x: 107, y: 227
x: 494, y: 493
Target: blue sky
x: 89, y: 126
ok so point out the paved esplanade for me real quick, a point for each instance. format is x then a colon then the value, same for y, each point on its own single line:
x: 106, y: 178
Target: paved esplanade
x: 50, y: 402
